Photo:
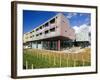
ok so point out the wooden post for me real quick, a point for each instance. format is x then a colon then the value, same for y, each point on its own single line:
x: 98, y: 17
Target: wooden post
x: 26, y: 64
x: 42, y: 56
x: 67, y: 59
x: 54, y: 60
x: 60, y: 60
x: 75, y: 60
x: 45, y: 56
x: 49, y: 59
x: 32, y: 66
x: 82, y: 60
x: 37, y: 55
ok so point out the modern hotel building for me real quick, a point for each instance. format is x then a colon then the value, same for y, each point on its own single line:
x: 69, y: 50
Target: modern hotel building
x: 52, y: 34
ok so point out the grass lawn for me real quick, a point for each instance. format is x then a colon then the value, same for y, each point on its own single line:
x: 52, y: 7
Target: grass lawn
x: 35, y: 58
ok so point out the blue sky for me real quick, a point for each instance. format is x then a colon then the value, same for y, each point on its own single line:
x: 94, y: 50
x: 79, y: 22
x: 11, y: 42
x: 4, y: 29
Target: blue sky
x: 32, y: 19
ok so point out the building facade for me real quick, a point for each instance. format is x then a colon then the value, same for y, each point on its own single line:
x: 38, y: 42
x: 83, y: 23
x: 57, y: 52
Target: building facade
x: 52, y: 34
x: 83, y: 36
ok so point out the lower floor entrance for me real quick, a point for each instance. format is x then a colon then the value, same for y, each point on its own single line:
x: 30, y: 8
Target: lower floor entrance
x: 57, y: 44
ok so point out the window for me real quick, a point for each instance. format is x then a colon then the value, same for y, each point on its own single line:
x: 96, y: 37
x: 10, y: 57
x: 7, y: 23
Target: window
x: 37, y: 34
x: 30, y: 36
x: 33, y: 31
x: 89, y: 34
x: 39, y: 42
x: 40, y: 27
x: 46, y: 25
x: 30, y: 32
x: 26, y: 37
x: 65, y: 31
x: 46, y: 32
x: 43, y: 26
x: 37, y: 29
x: 52, y: 21
x: 52, y: 30
x: 40, y: 33
x: 64, y: 21
x: 33, y: 35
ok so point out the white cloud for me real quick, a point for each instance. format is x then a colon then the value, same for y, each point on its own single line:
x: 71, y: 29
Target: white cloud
x: 81, y: 28
x: 70, y: 15
x: 81, y: 14
x: 76, y: 28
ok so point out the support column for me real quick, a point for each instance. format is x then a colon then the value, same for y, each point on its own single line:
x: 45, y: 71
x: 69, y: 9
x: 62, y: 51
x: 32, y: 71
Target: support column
x: 59, y: 45
x: 41, y: 44
x: 30, y: 44
x: 56, y: 45
x: 36, y: 44
x: 48, y: 45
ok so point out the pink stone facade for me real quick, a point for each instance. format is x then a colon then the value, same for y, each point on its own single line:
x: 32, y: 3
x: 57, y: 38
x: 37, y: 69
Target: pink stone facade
x: 56, y: 26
